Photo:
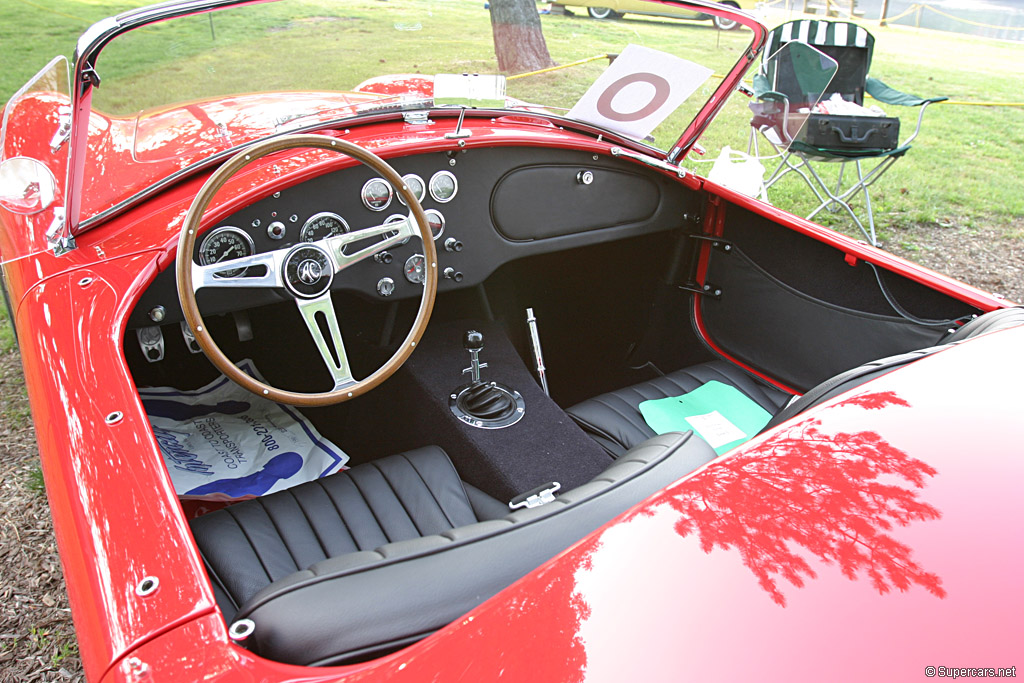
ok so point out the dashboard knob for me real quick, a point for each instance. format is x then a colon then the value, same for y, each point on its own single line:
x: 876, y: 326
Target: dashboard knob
x: 383, y: 257
x: 276, y: 230
x: 473, y: 340
x: 453, y: 274
x: 585, y: 177
x: 452, y: 244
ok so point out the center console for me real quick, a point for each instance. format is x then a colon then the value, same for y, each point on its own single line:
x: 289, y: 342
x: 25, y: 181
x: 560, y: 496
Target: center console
x: 503, y: 433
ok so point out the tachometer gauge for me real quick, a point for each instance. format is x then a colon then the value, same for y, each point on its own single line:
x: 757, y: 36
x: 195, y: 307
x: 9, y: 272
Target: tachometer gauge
x: 436, y: 222
x: 322, y: 225
x: 224, y: 244
x: 416, y: 269
x: 415, y: 185
x: 443, y: 186
x: 376, y: 194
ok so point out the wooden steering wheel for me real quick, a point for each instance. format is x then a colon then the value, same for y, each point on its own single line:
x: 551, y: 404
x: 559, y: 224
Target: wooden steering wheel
x: 305, y: 271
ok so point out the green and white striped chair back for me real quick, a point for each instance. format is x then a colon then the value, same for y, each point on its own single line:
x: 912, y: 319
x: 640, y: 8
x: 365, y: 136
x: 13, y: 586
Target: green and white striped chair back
x: 838, y: 39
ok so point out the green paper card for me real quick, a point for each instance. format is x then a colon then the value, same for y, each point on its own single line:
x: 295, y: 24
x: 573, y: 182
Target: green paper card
x: 718, y: 413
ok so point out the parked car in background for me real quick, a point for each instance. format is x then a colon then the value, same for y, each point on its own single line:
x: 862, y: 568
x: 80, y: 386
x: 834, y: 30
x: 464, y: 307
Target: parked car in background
x: 615, y: 9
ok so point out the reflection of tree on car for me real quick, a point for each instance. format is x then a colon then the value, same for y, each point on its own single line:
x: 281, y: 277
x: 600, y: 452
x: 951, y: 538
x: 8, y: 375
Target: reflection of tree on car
x: 837, y: 496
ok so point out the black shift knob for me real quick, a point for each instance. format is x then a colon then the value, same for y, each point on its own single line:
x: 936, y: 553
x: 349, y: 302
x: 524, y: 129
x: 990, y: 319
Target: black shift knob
x: 473, y: 340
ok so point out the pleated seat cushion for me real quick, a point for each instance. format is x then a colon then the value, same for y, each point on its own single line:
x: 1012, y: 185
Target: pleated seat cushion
x: 614, y: 419
x: 249, y: 545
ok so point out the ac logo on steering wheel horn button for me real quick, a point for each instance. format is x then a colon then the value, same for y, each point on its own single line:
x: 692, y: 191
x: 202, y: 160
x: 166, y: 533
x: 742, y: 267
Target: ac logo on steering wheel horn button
x: 307, y: 271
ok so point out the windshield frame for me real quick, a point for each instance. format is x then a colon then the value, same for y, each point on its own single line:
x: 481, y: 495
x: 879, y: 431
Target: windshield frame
x: 85, y: 79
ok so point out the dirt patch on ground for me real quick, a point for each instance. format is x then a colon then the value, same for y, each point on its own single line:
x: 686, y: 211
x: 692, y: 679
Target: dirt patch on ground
x: 37, y: 638
x: 990, y: 258
x: 37, y: 641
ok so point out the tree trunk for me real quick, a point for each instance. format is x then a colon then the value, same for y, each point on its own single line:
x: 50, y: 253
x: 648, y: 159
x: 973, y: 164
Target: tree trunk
x: 518, y: 40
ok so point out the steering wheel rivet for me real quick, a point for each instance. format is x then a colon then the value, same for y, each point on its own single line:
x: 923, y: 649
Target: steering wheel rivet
x: 266, y: 391
x: 350, y: 394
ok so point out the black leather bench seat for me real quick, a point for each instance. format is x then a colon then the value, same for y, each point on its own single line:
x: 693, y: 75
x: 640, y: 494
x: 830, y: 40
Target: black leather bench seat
x: 367, y: 560
x: 614, y: 419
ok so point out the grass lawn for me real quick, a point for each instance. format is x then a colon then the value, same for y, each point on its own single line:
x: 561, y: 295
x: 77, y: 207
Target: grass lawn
x: 965, y: 168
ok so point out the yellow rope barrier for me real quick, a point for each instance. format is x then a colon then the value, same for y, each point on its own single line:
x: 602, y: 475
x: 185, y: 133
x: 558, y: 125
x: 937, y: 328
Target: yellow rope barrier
x: 916, y: 7
x: 556, y: 68
x: 973, y: 23
x: 910, y: 10
x: 53, y: 11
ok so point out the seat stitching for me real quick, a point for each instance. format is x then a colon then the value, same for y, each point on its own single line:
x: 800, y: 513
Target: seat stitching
x: 398, y: 497
x: 341, y: 515
x: 431, y: 491
x: 280, y: 535
x: 216, y: 577
x: 309, y: 522
x: 373, y: 513
x: 255, y: 551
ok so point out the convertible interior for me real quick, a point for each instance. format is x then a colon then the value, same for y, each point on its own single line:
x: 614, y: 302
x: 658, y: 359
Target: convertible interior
x: 642, y: 286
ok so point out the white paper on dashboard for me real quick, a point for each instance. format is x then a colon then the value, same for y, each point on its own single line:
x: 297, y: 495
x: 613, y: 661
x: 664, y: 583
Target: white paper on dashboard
x: 221, y: 442
x: 639, y: 90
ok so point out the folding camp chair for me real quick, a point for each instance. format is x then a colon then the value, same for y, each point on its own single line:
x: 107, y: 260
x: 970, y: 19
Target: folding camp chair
x: 803, y: 138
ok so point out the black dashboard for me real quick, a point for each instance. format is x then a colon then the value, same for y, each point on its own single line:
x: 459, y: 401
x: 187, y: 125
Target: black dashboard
x: 487, y: 207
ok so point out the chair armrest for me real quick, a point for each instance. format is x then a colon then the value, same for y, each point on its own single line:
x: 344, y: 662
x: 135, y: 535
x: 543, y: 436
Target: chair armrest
x: 883, y: 93
x: 760, y: 85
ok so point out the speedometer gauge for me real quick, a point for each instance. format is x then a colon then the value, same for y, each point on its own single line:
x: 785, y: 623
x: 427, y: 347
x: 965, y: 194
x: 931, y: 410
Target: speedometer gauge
x: 225, y: 244
x: 322, y: 225
x: 376, y: 194
x: 415, y: 185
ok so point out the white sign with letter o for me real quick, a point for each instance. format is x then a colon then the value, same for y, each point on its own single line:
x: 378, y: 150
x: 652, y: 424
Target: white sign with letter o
x: 638, y: 91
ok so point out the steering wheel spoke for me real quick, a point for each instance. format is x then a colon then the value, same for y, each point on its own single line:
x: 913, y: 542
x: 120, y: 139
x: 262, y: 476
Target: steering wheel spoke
x: 396, y: 232
x: 214, y: 274
x: 319, y: 316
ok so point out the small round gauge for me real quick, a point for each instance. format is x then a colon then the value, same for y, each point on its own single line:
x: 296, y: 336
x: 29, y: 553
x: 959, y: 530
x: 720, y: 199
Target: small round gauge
x: 416, y: 269
x: 443, y: 186
x: 322, y: 225
x: 225, y: 244
x: 376, y: 194
x: 435, y: 219
x: 396, y: 218
x: 415, y: 185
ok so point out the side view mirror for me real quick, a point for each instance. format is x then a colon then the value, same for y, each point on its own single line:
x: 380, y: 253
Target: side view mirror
x: 27, y: 186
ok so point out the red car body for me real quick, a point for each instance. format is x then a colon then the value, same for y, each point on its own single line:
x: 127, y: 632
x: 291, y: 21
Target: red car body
x: 871, y: 537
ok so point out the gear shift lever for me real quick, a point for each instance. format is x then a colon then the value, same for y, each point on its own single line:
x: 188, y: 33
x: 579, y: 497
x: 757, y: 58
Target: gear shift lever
x: 473, y: 342
x: 487, y: 405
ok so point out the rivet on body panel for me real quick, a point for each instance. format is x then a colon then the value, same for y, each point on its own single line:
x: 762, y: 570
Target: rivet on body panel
x: 147, y: 586
x: 241, y: 629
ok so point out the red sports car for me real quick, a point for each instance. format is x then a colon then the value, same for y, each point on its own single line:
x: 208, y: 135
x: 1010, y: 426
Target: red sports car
x: 353, y: 359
